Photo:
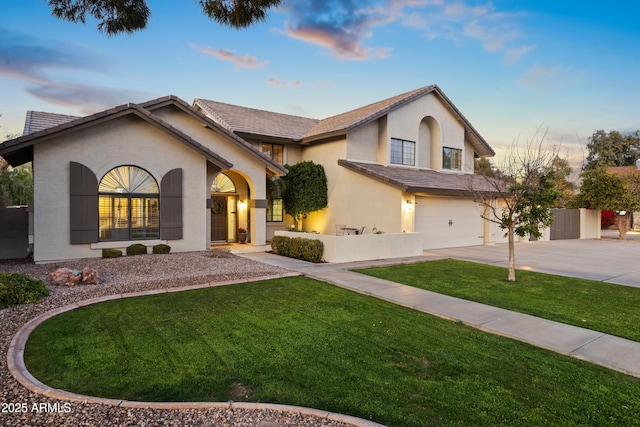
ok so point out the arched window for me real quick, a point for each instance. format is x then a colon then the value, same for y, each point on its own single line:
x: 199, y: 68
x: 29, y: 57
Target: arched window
x: 129, y: 205
x: 223, y: 184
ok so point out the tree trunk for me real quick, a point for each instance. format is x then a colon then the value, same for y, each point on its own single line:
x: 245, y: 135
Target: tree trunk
x: 512, y: 255
x: 622, y: 226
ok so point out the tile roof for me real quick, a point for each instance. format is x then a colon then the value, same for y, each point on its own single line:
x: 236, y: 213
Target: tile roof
x: 423, y: 181
x: 20, y: 150
x: 38, y: 120
x: 622, y: 171
x: 256, y: 122
x: 352, y: 119
x: 243, y: 120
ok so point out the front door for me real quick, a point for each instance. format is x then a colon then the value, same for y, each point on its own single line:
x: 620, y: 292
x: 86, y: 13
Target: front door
x: 219, y: 219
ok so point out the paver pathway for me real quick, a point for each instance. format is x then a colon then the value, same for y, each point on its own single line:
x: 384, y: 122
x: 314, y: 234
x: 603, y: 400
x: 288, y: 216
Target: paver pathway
x: 595, y: 347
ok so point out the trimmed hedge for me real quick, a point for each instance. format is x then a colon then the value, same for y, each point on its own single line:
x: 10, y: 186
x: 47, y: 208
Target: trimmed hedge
x: 111, y: 253
x: 305, y: 249
x: 161, y: 249
x: 136, y: 249
x: 18, y: 289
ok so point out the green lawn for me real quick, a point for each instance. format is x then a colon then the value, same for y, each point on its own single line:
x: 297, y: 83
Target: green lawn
x: 604, y: 307
x: 302, y: 342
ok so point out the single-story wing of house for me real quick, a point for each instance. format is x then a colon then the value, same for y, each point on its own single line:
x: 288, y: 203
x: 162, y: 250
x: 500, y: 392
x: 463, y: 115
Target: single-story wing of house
x: 187, y: 175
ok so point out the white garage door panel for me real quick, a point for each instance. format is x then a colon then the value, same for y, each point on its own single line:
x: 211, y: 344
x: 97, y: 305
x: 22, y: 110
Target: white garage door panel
x: 432, y: 220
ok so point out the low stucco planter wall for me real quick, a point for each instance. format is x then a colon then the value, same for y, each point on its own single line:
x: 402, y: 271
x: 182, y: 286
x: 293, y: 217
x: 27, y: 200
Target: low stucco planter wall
x: 364, y: 247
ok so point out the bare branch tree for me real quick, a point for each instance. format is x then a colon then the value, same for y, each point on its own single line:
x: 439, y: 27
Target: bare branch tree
x: 519, y: 200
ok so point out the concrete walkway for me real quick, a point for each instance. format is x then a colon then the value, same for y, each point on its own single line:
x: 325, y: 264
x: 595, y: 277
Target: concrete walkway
x: 595, y: 347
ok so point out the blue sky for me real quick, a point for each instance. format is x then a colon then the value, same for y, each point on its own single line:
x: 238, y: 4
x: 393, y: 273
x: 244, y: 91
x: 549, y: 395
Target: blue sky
x: 511, y: 67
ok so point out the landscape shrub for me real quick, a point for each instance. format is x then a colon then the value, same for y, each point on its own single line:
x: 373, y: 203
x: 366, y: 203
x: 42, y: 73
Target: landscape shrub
x: 161, y: 249
x: 18, y: 289
x: 111, y: 253
x: 136, y: 249
x: 299, y: 248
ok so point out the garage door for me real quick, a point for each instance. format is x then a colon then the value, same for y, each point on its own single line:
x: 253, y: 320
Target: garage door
x: 448, y: 222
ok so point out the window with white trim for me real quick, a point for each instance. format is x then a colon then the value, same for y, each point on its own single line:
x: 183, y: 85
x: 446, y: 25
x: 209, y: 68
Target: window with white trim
x: 403, y: 152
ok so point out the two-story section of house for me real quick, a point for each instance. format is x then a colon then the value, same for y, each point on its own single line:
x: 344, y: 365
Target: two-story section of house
x: 402, y: 164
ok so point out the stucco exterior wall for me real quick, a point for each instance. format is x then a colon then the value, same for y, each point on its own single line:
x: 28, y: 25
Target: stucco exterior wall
x: 364, y: 247
x: 354, y: 200
x: 404, y: 123
x: 363, y: 143
x: 126, y: 141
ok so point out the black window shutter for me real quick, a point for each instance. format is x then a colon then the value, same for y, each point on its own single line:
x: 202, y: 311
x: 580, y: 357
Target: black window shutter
x: 171, y: 205
x: 84, y: 204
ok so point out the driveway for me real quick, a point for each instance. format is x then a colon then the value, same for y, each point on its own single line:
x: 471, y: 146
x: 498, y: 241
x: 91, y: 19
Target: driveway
x: 605, y: 260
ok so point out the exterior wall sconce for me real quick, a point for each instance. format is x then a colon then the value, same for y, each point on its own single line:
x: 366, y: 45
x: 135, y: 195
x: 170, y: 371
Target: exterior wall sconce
x: 242, y: 204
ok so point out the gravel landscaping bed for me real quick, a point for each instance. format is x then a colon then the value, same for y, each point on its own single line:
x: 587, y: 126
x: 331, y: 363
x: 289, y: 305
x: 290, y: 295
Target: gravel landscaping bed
x: 20, y: 407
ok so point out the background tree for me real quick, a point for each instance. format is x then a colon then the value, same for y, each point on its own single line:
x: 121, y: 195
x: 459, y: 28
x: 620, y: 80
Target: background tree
x: 604, y: 190
x: 520, y: 201
x: 612, y: 149
x: 483, y: 166
x: 564, y: 184
x: 305, y: 190
x: 127, y: 16
x: 16, y: 184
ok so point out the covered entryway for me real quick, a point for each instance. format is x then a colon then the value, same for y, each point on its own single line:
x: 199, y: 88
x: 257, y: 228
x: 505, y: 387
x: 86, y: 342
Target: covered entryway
x: 448, y: 222
x: 223, y: 209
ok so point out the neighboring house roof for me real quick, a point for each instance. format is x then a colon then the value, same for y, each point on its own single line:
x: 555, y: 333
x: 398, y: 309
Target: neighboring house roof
x: 622, y: 171
x: 38, y: 120
x: 251, y: 121
x: 20, y: 150
x: 421, y: 181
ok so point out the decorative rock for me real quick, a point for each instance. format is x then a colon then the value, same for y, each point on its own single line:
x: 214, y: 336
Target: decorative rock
x: 60, y: 277
x: 90, y: 276
x: 68, y: 277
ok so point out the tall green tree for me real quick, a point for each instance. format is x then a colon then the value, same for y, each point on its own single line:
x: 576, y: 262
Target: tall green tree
x: 519, y: 201
x: 305, y: 190
x: 604, y: 190
x: 128, y: 16
x: 564, y: 184
x: 16, y: 184
x: 612, y: 149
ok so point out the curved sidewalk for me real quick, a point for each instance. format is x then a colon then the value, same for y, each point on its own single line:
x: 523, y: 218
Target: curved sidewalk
x: 596, y: 347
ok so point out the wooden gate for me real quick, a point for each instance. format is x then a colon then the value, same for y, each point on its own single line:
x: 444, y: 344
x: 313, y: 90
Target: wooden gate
x: 14, y: 233
x: 566, y: 224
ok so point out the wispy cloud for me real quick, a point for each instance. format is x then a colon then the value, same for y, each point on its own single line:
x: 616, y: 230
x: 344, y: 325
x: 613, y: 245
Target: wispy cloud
x: 240, y: 61
x: 85, y: 99
x: 276, y: 82
x: 31, y: 60
x: 343, y: 27
x: 340, y: 26
x: 542, y: 76
x: 28, y: 59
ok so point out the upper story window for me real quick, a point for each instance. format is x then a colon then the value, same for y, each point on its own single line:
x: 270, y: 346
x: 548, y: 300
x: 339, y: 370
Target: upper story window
x: 128, y: 205
x: 275, y: 151
x: 451, y: 158
x: 403, y: 152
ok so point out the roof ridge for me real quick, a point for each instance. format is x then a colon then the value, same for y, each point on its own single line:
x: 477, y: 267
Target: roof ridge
x: 257, y: 109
